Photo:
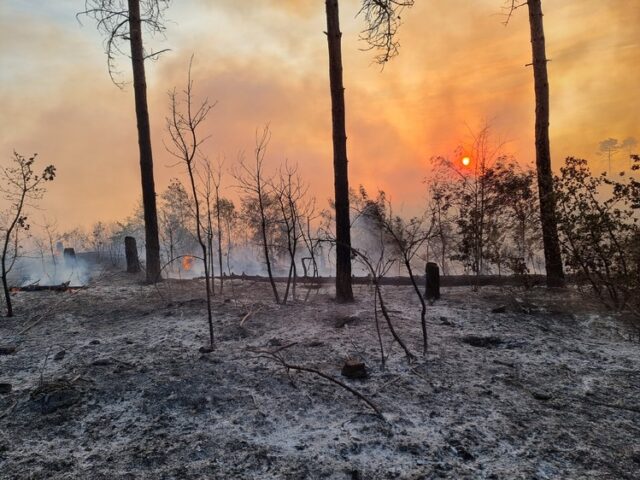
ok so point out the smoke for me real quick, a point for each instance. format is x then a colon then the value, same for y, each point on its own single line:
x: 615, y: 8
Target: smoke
x: 50, y: 271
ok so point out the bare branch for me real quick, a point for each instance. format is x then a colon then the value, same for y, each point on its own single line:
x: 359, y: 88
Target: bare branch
x: 509, y: 9
x: 112, y: 20
x: 383, y: 21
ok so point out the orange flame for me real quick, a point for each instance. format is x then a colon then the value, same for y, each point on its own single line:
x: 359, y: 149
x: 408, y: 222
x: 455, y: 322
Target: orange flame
x: 187, y: 262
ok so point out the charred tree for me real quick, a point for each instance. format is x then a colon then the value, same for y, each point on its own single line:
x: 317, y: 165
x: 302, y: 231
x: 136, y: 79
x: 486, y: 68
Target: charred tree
x: 344, y: 291
x: 552, y: 255
x: 261, y: 145
x: 551, y: 242
x: 152, y: 242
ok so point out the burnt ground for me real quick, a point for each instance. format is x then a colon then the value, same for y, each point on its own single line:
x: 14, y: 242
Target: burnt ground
x: 108, y: 382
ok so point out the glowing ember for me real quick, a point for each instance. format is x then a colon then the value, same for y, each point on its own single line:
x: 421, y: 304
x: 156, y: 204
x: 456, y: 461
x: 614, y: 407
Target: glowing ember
x: 187, y: 262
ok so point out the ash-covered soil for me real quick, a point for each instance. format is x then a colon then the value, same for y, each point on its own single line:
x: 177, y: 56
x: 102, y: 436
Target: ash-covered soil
x: 108, y: 382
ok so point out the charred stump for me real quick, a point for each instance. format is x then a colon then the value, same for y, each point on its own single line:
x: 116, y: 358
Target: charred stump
x: 69, y: 255
x: 131, y: 254
x: 432, y: 284
x: 354, y: 368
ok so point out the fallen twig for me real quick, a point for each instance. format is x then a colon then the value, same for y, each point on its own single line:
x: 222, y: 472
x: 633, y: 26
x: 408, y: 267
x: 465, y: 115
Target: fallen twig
x: 9, y: 410
x: 627, y: 408
x: 275, y: 355
x: 251, y: 312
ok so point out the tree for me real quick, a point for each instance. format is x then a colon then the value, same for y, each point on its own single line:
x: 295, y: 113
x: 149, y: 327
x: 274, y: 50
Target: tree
x: 344, y: 291
x: 183, y: 127
x: 290, y: 192
x: 373, y: 252
x: 177, y: 222
x: 213, y: 181
x: 122, y: 21
x: 515, y: 189
x: 382, y: 19
x: 21, y: 187
x: 476, y: 201
x: 439, y: 208
x: 251, y: 180
x: 405, y: 239
x: 599, y: 230
x: 551, y: 242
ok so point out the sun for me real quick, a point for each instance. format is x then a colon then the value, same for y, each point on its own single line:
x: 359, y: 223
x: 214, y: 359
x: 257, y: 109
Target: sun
x: 466, y: 161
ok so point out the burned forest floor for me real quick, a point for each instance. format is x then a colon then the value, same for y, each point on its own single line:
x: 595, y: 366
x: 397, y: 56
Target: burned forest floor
x: 109, y: 382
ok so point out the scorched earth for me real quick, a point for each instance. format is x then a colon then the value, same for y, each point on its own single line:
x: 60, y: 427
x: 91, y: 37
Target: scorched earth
x: 109, y: 382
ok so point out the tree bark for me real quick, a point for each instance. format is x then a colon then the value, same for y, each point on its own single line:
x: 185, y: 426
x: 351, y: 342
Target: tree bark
x: 552, y: 255
x: 152, y: 242
x: 344, y: 292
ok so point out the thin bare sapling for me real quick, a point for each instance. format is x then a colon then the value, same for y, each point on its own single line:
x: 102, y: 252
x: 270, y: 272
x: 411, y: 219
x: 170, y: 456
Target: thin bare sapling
x: 183, y: 126
x: 290, y: 192
x: 406, y: 238
x: 377, y: 254
x: 253, y: 183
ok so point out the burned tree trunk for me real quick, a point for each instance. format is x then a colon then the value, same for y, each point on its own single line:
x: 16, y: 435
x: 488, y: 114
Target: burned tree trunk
x: 152, y: 242
x: 432, y: 284
x: 552, y: 255
x: 131, y: 254
x: 344, y: 292
x: 69, y: 256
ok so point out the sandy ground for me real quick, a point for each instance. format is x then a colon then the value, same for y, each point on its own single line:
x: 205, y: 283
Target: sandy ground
x: 109, y: 383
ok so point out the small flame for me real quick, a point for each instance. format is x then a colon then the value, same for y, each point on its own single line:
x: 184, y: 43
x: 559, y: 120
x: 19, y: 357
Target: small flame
x: 187, y: 262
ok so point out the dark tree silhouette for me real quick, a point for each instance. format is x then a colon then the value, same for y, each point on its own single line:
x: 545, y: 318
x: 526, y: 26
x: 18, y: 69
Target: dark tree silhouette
x: 382, y: 19
x: 122, y: 21
x: 344, y: 291
x: 551, y: 243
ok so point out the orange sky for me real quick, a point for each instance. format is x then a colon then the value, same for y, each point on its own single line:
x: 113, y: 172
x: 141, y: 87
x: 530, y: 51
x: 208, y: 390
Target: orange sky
x: 459, y: 68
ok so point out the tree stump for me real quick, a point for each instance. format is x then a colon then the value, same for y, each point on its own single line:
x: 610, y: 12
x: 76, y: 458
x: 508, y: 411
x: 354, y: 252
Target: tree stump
x: 432, y: 284
x: 131, y: 253
x: 354, y: 368
x: 69, y: 256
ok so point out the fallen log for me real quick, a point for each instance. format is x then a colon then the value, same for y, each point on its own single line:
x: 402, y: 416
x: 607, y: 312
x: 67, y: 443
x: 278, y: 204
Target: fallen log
x: 63, y: 287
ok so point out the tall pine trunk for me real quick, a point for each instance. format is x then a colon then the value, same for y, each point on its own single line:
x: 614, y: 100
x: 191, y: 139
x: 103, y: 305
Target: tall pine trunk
x: 344, y: 292
x: 152, y: 243
x: 552, y: 255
